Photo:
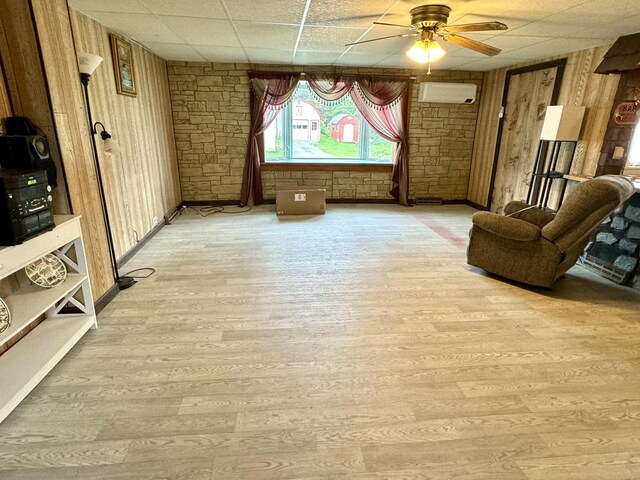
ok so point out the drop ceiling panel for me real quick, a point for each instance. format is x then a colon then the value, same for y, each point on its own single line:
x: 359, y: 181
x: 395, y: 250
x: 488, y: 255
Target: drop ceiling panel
x: 267, y: 30
x: 347, y: 13
x: 139, y: 27
x: 170, y: 51
x: 268, y: 11
x: 570, y: 23
x: 508, y: 44
x: 555, y: 46
x: 492, y: 63
x: 203, y: 31
x: 221, y: 54
x: 613, y: 30
x: 269, y: 55
x: 118, y: 6
x: 315, y: 58
x: 402, y: 61
x: 328, y: 39
x: 361, y: 59
x: 527, y: 10
x: 260, y: 35
x: 186, y: 8
x: 390, y: 45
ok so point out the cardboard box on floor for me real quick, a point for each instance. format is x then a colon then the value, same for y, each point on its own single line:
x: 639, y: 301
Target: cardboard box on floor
x: 301, y: 200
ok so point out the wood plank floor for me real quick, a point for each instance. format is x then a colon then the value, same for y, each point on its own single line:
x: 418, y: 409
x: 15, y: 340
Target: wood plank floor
x: 354, y: 345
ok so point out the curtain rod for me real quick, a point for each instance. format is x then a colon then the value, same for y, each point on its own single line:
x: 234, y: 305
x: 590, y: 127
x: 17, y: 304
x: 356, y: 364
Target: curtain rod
x: 413, y: 77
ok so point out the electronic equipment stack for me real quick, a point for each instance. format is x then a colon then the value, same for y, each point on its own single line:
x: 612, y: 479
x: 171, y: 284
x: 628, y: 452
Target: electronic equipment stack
x: 25, y: 205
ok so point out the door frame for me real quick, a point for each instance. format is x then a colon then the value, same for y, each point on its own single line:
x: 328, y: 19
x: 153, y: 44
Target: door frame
x: 560, y: 65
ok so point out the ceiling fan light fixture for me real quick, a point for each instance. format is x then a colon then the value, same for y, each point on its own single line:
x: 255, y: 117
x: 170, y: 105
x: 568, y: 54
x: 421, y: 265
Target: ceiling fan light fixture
x: 425, y: 51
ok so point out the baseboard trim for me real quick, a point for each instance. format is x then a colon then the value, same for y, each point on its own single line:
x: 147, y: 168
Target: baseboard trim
x: 475, y: 205
x: 384, y: 201
x: 207, y: 203
x: 271, y: 201
x: 129, y: 254
x: 106, y: 298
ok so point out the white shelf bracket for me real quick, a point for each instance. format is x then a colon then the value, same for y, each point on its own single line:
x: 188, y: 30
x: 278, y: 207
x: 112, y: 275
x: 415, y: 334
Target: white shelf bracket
x: 62, y: 255
x: 69, y: 298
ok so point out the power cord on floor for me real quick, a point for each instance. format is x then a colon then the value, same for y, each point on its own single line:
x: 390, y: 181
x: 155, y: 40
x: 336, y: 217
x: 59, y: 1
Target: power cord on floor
x: 151, y: 272
x: 206, y: 211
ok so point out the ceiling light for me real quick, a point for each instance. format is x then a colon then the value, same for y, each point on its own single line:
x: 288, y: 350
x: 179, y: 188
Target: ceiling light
x: 425, y: 51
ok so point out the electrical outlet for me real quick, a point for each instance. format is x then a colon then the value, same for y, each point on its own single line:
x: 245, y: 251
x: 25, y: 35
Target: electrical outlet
x: 155, y: 221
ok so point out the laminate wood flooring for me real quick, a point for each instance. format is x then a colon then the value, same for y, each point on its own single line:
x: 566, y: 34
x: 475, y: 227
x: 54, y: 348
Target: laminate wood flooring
x: 354, y: 345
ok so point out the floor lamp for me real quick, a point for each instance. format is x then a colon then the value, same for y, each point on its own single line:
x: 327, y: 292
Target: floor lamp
x: 88, y: 63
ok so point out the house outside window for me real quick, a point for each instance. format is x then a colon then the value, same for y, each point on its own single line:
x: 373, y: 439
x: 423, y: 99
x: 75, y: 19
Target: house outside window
x: 309, y: 131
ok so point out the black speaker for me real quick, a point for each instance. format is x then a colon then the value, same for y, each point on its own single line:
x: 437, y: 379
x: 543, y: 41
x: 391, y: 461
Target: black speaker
x: 29, y: 152
x: 21, y: 126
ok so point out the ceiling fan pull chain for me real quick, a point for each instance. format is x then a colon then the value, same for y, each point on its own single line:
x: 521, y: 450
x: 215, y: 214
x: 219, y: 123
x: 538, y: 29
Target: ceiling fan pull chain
x: 429, y: 68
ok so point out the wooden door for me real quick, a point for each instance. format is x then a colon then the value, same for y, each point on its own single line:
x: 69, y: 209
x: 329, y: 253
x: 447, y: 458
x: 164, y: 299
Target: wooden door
x: 528, y: 92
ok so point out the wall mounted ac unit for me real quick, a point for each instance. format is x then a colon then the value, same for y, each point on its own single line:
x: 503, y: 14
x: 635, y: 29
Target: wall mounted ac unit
x: 439, y: 92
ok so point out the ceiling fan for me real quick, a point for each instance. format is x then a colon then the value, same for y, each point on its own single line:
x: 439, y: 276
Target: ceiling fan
x: 430, y: 21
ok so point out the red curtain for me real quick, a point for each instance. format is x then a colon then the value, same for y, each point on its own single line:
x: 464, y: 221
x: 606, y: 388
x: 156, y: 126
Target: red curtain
x: 269, y: 93
x: 384, y: 104
x: 330, y: 89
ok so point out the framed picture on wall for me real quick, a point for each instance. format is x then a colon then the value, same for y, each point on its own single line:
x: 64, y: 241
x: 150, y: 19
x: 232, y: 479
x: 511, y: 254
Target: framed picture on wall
x: 123, y: 66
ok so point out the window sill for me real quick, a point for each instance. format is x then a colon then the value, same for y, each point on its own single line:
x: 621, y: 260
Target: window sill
x: 632, y: 171
x: 326, y: 167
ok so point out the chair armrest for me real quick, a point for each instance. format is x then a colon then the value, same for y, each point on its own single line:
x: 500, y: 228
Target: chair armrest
x: 533, y: 215
x: 507, y: 227
x: 514, y: 206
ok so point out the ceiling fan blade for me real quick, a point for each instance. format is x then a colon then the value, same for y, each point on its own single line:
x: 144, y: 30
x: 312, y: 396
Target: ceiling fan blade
x: 473, y: 27
x: 471, y: 44
x: 382, y: 38
x: 392, y: 24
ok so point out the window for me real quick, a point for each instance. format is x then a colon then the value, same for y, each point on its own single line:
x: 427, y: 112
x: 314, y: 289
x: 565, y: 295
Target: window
x: 633, y: 159
x: 308, y: 131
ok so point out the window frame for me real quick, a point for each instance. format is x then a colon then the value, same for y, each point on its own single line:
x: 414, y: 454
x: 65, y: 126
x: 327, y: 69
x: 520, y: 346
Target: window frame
x: 634, y: 147
x: 287, y: 162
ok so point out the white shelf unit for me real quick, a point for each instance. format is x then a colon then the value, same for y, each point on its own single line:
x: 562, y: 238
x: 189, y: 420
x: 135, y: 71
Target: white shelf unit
x: 27, y: 362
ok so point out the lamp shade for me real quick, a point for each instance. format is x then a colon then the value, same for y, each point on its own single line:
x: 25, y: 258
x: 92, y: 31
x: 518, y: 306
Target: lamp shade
x: 88, y: 62
x: 562, y: 123
x: 111, y: 146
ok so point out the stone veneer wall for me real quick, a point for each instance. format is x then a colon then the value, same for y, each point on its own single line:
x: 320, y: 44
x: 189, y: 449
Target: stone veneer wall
x: 210, y: 104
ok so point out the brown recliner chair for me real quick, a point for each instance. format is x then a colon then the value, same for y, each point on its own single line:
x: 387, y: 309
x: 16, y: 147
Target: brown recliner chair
x: 536, y: 247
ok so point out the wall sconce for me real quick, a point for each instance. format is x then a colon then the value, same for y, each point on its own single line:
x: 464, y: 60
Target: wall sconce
x: 110, y: 145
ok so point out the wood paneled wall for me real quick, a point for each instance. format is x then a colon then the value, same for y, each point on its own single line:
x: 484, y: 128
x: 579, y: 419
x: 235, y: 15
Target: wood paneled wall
x: 67, y: 102
x: 484, y: 146
x: 26, y: 87
x: 5, y: 104
x: 142, y: 180
x: 580, y: 86
x: 595, y: 91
